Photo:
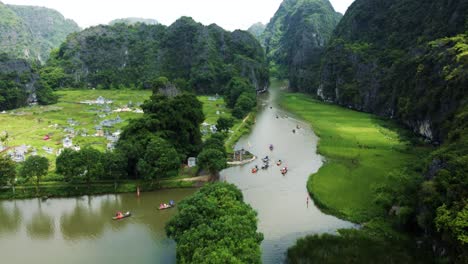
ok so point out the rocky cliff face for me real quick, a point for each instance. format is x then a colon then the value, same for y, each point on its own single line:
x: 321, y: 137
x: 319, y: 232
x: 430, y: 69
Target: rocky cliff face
x: 257, y: 30
x: 30, y: 32
x: 134, y: 20
x: 295, y: 39
x: 193, y: 55
x: 401, y: 59
x: 18, y: 83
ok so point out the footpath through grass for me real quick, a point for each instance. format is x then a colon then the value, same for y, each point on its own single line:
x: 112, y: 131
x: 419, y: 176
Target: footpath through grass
x: 361, y: 150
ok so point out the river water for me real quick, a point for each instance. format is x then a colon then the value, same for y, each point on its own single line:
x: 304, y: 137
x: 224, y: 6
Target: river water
x: 80, y: 230
x: 281, y: 201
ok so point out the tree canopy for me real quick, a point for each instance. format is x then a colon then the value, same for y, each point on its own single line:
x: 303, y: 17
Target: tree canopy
x: 215, y: 226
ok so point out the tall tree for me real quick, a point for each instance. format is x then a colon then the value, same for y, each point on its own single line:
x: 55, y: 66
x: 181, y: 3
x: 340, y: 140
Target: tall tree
x: 213, y: 160
x: 35, y: 167
x: 160, y: 160
x: 7, y: 171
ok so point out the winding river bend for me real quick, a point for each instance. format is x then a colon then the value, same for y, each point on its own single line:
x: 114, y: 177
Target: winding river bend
x: 80, y: 230
x: 281, y: 201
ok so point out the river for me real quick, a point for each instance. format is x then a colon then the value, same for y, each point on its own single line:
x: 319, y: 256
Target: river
x: 80, y: 230
x: 281, y: 201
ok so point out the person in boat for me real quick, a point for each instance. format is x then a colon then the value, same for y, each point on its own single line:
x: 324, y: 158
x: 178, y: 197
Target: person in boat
x: 277, y: 116
x: 119, y: 214
x: 279, y: 162
x: 294, y: 130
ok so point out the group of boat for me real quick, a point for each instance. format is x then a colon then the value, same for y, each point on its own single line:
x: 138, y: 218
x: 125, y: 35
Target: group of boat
x: 266, y: 164
x: 119, y: 215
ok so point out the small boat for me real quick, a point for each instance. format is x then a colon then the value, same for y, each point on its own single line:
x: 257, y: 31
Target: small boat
x: 271, y: 147
x: 294, y: 130
x: 127, y: 214
x: 265, y: 166
x: 266, y: 159
x: 279, y: 162
x: 284, y: 170
x: 254, y: 170
x: 166, y: 206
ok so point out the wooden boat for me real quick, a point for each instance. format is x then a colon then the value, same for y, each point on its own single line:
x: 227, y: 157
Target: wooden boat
x: 127, y: 214
x: 166, y: 207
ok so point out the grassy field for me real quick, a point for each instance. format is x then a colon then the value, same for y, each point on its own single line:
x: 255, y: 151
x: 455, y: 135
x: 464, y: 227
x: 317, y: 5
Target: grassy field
x: 29, y: 125
x: 360, y: 149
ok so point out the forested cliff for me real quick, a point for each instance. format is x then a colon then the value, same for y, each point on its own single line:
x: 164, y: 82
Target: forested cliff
x: 400, y: 59
x: 295, y: 39
x: 30, y: 32
x: 202, y: 58
x: 408, y: 60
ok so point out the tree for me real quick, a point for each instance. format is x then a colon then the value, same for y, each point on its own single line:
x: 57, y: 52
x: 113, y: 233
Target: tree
x: 35, y: 167
x: 235, y: 88
x: 224, y: 123
x: 215, y: 141
x: 114, y: 166
x: 213, y: 160
x: 91, y: 164
x: 66, y: 164
x: 223, y: 226
x: 7, y: 171
x: 160, y: 160
x: 244, y: 105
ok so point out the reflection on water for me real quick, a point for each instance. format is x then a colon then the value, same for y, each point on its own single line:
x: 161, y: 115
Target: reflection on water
x: 10, y: 219
x: 281, y: 201
x: 81, y: 230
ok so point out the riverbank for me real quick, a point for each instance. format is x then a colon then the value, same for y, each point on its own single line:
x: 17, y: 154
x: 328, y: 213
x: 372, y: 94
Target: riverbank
x: 240, y: 129
x: 60, y: 189
x: 360, y: 149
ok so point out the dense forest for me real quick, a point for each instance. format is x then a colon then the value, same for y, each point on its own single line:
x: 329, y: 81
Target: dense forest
x: 295, y: 39
x: 197, y: 58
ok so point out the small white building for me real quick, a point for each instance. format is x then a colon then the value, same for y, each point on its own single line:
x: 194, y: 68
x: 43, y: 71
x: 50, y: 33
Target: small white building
x: 67, y: 143
x: 192, y: 162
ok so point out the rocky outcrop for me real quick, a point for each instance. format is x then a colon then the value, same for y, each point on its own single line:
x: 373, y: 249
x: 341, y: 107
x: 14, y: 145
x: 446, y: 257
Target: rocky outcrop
x: 18, y: 83
x: 203, y: 58
x: 31, y: 32
x: 295, y: 39
x: 134, y: 20
x: 257, y: 30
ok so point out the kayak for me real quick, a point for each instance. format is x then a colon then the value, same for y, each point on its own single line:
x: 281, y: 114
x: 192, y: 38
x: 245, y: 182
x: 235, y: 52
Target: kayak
x: 166, y: 207
x: 127, y: 214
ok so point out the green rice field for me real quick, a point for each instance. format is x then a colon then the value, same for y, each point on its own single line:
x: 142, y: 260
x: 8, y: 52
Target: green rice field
x: 360, y: 151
